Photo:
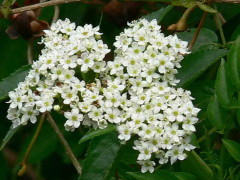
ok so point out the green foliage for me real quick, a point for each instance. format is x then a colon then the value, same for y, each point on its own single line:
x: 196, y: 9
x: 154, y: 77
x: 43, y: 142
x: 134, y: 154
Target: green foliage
x: 160, y: 174
x: 100, y: 157
x: 158, y: 15
x: 233, y: 148
x: 11, y: 82
x: 224, y: 87
x: 234, y: 63
x: 216, y: 113
x: 94, y: 133
x: 206, y: 8
x: 195, y: 165
x: 9, y: 135
x: 205, y: 37
x: 196, y: 63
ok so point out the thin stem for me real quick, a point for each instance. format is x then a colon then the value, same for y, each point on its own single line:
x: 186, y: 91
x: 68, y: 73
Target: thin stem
x: 56, y: 13
x: 65, y: 144
x: 219, y: 26
x: 210, y: 132
x: 30, y: 51
x: 36, y: 134
x: 187, y: 12
x: 197, y: 31
x: 41, y: 5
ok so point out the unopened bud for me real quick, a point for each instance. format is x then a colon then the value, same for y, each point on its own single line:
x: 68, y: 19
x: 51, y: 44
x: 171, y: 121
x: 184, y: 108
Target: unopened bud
x: 97, y: 37
x: 56, y: 108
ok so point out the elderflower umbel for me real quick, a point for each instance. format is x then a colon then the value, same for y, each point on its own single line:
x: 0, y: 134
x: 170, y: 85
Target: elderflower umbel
x: 136, y: 91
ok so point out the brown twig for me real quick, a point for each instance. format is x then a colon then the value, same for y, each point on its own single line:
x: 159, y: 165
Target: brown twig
x: 225, y: 1
x: 30, y: 51
x: 11, y: 158
x: 56, y: 13
x: 197, y: 31
x: 41, y: 5
x: 24, y: 161
x: 65, y: 144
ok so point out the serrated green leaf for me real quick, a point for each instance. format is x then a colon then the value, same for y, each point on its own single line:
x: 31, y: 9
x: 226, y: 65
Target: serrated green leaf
x: 9, y: 135
x: 158, y: 15
x: 206, y: 8
x: 157, y: 175
x: 184, y: 176
x: 100, y: 157
x: 205, y: 37
x: 224, y: 87
x: 11, y: 82
x: 94, y: 133
x: 193, y: 65
x: 233, y: 63
x: 233, y: 148
x: 195, y: 165
x: 216, y: 113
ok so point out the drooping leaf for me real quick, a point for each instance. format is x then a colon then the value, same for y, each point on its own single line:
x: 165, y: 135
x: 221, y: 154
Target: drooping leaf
x: 206, y: 8
x: 94, y: 133
x: 184, y: 176
x: 205, y: 37
x: 233, y: 148
x: 9, y: 135
x: 195, y: 165
x: 158, y: 15
x: 100, y: 157
x: 216, y: 113
x: 193, y: 65
x: 157, y: 175
x: 233, y: 63
x: 11, y: 82
x: 224, y: 87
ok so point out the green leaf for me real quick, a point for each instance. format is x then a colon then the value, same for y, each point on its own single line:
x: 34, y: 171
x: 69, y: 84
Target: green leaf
x: 195, y: 165
x: 94, y: 133
x: 158, y: 15
x: 184, y: 176
x: 193, y: 65
x: 216, y: 114
x: 233, y: 148
x: 9, y: 135
x: 206, y: 8
x: 184, y: 3
x: 100, y: 157
x: 224, y: 87
x: 205, y: 37
x: 11, y: 82
x: 238, y: 116
x: 236, y: 33
x: 233, y: 63
x: 157, y: 175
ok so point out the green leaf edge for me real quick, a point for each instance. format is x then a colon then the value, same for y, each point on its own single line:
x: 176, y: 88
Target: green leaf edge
x: 94, y: 133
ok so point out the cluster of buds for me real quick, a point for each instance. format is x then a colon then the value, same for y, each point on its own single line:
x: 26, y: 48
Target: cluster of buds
x: 135, y: 91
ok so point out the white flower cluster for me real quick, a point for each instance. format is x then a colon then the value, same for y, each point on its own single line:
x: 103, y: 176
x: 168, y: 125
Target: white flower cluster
x: 160, y: 116
x: 54, y: 81
x: 135, y: 91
